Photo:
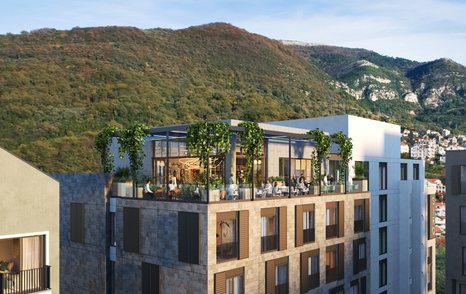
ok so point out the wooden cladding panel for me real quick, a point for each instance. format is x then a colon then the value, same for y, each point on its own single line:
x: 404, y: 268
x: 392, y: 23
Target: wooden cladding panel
x: 367, y: 216
x: 77, y: 222
x: 282, y: 228
x: 131, y: 229
x: 243, y: 234
x: 341, y: 218
x: 299, y: 225
x: 220, y: 283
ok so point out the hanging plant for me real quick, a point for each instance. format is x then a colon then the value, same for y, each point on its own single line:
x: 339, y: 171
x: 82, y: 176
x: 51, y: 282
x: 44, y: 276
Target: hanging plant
x: 345, y: 151
x: 322, y: 150
x: 131, y: 142
x: 103, y: 140
x: 205, y: 137
x: 251, y: 143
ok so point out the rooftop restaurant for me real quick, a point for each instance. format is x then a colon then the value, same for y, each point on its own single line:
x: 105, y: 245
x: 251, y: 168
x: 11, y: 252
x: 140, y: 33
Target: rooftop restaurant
x: 233, y: 161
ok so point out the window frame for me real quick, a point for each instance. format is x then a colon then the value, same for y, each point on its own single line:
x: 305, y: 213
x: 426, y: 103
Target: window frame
x: 383, y: 272
x: 383, y: 208
x: 383, y: 240
x: 383, y: 176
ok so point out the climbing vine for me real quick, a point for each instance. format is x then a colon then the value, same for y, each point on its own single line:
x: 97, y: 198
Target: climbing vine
x: 345, y: 150
x: 103, y: 140
x: 322, y: 150
x: 251, y: 143
x: 205, y: 137
x: 131, y: 142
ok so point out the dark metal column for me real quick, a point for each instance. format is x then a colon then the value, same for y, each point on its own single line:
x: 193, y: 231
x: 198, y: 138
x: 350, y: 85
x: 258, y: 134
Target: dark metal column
x: 289, y: 167
x: 167, y: 165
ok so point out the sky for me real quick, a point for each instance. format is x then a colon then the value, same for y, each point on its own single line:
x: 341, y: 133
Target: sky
x: 421, y: 30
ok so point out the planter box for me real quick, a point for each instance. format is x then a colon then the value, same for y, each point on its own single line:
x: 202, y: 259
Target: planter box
x: 340, y: 189
x: 314, y: 190
x: 360, y: 185
x: 244, y: 193
x: 122, y: 189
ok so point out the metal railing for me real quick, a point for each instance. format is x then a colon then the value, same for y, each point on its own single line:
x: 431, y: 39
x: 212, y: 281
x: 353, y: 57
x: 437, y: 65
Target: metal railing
x: 25, y: 281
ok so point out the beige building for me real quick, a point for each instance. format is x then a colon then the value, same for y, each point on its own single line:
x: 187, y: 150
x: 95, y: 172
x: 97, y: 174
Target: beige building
x: 29, y: 229
x: 456, y: 222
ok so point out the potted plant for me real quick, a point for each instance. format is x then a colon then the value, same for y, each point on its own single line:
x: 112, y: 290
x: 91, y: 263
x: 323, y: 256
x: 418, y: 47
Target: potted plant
x: 122, y: 184
x: 345, y: 151
x: 360, y: 180
x: 321, y: 151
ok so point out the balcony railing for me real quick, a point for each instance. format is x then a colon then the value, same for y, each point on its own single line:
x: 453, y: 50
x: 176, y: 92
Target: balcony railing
x: 331, y: 231
x: 308, y: 235
x: 269, y: 243
x: 25, y: 281
x: 281, y: 289
x: 314, y: 280
x: 331, y: 275
x: 227, y: 251
x: 358, y: 226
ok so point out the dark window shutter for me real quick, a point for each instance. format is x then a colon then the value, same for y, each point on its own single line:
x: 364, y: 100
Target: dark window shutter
x: 341, y: 218
x: 282, y: 234
x: 188, y: 237
x: 220, y: 283
x: 270, y: 277
x: 305, y: 285
x: 243, y: 234
x: 150, y: 278
x: 455, y: 183
x: 355, y: 256
x: 299, y: 225
x: 131, y: 229
x: 77, y: 222
x: 363, y: 286
x: 341, y: 261
x: 367, y: 217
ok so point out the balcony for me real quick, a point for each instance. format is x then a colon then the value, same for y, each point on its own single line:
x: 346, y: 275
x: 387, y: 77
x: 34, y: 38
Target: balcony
x: 331, y: 231
x: 269, y: 243
x: 25, y: 281
x: 331, y: 275
x: 308, y: 235
x: 358, y: 226
x: 227, y: 251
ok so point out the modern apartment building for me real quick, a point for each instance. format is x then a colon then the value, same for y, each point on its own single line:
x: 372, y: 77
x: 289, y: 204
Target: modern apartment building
x: 456, y: 222
x: 29, y: 228
x: 224, y: 235
x: 402, y: 255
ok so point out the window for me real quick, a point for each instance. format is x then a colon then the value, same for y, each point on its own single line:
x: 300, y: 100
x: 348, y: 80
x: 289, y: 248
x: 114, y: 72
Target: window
x: 404, y: 171
x: 269, y: 229
x: 77, y: 222
x: 463, y: 179
x: 305, y: 224
x: 462, y: 289
x: 150, y: 278
x: 227, y: 236
x: 359, y: 255
x: 334, y: 219
x: 354, y: 287
x: 276, y: 275
x: 464, y: 261
x: 383, y: 176
x: 382, y: 272
x: 230, y: 282
x: 334, y: 263
x: 382, y: 240
x: 382, y: 208
x: 416, y: 171
x: 131, y: 229
x: 358, y: 216
x: 337, y: 290
x: 463, y: 220
x: 188, y: 237
x: 298, y: 167
x: 310, y: 270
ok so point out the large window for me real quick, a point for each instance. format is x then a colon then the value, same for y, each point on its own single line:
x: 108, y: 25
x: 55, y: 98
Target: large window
x: 403, y: 171
x: 269, y: 229
x: 382, y: 272
x: 188, y: 237
x: 310, y: 271
x: 359, y: 216
x: 334, y: 263
x: 415, y: 171
x: 299, y: 167
x: 277, y: 276
x: 230, y: 282
x: 334, y: 219
x: 383, y: 176
x: 150, y: 278
x: 131, y: 229
x: 227, y: 236
x: 359, y: 255
x: 463, y: 220
x: 464, y: 261
x: 354, y: 287
x: 382, y: 240
x: 308, y: 225
x: 382, y: 208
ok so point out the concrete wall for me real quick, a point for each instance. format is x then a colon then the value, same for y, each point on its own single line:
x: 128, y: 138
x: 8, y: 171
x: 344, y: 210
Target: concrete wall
x: 83, y: 265
x: 454, y: 240
x: 30, y: 206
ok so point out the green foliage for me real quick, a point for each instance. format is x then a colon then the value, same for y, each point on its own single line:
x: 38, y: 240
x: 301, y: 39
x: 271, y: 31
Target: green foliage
x: 205, y: 137
x: 345, y: 150
x: 251, y: 143
x: 103, y: 140
x: 440, y: 270
x: 359, y: 170
x: 322, y: 150
x: 131, y: 142
x: 122, y: 174
x: 435, y: 171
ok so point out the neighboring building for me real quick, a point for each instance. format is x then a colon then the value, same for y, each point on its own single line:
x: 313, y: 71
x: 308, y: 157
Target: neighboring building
x: 437, y: 184
x: 445, y: 132
x: 29, y: 228
x: 456, y: 222
x: 404, y: 148
x: 397, y: 188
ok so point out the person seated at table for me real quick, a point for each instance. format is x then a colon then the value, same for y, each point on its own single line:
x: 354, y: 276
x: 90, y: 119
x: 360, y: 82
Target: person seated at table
x: 275, y: 190
x: 147, y: 190
x: 302, y: 178
x: 301, y: 184
x: 293, y: 181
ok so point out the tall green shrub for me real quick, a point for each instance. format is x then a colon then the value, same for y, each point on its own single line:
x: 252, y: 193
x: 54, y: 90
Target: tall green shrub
x: 103, y: 140
x: 251, y: 143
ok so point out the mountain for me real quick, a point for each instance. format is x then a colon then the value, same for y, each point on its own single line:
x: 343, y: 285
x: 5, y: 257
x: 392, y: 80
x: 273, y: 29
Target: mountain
x: 59, y: 88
